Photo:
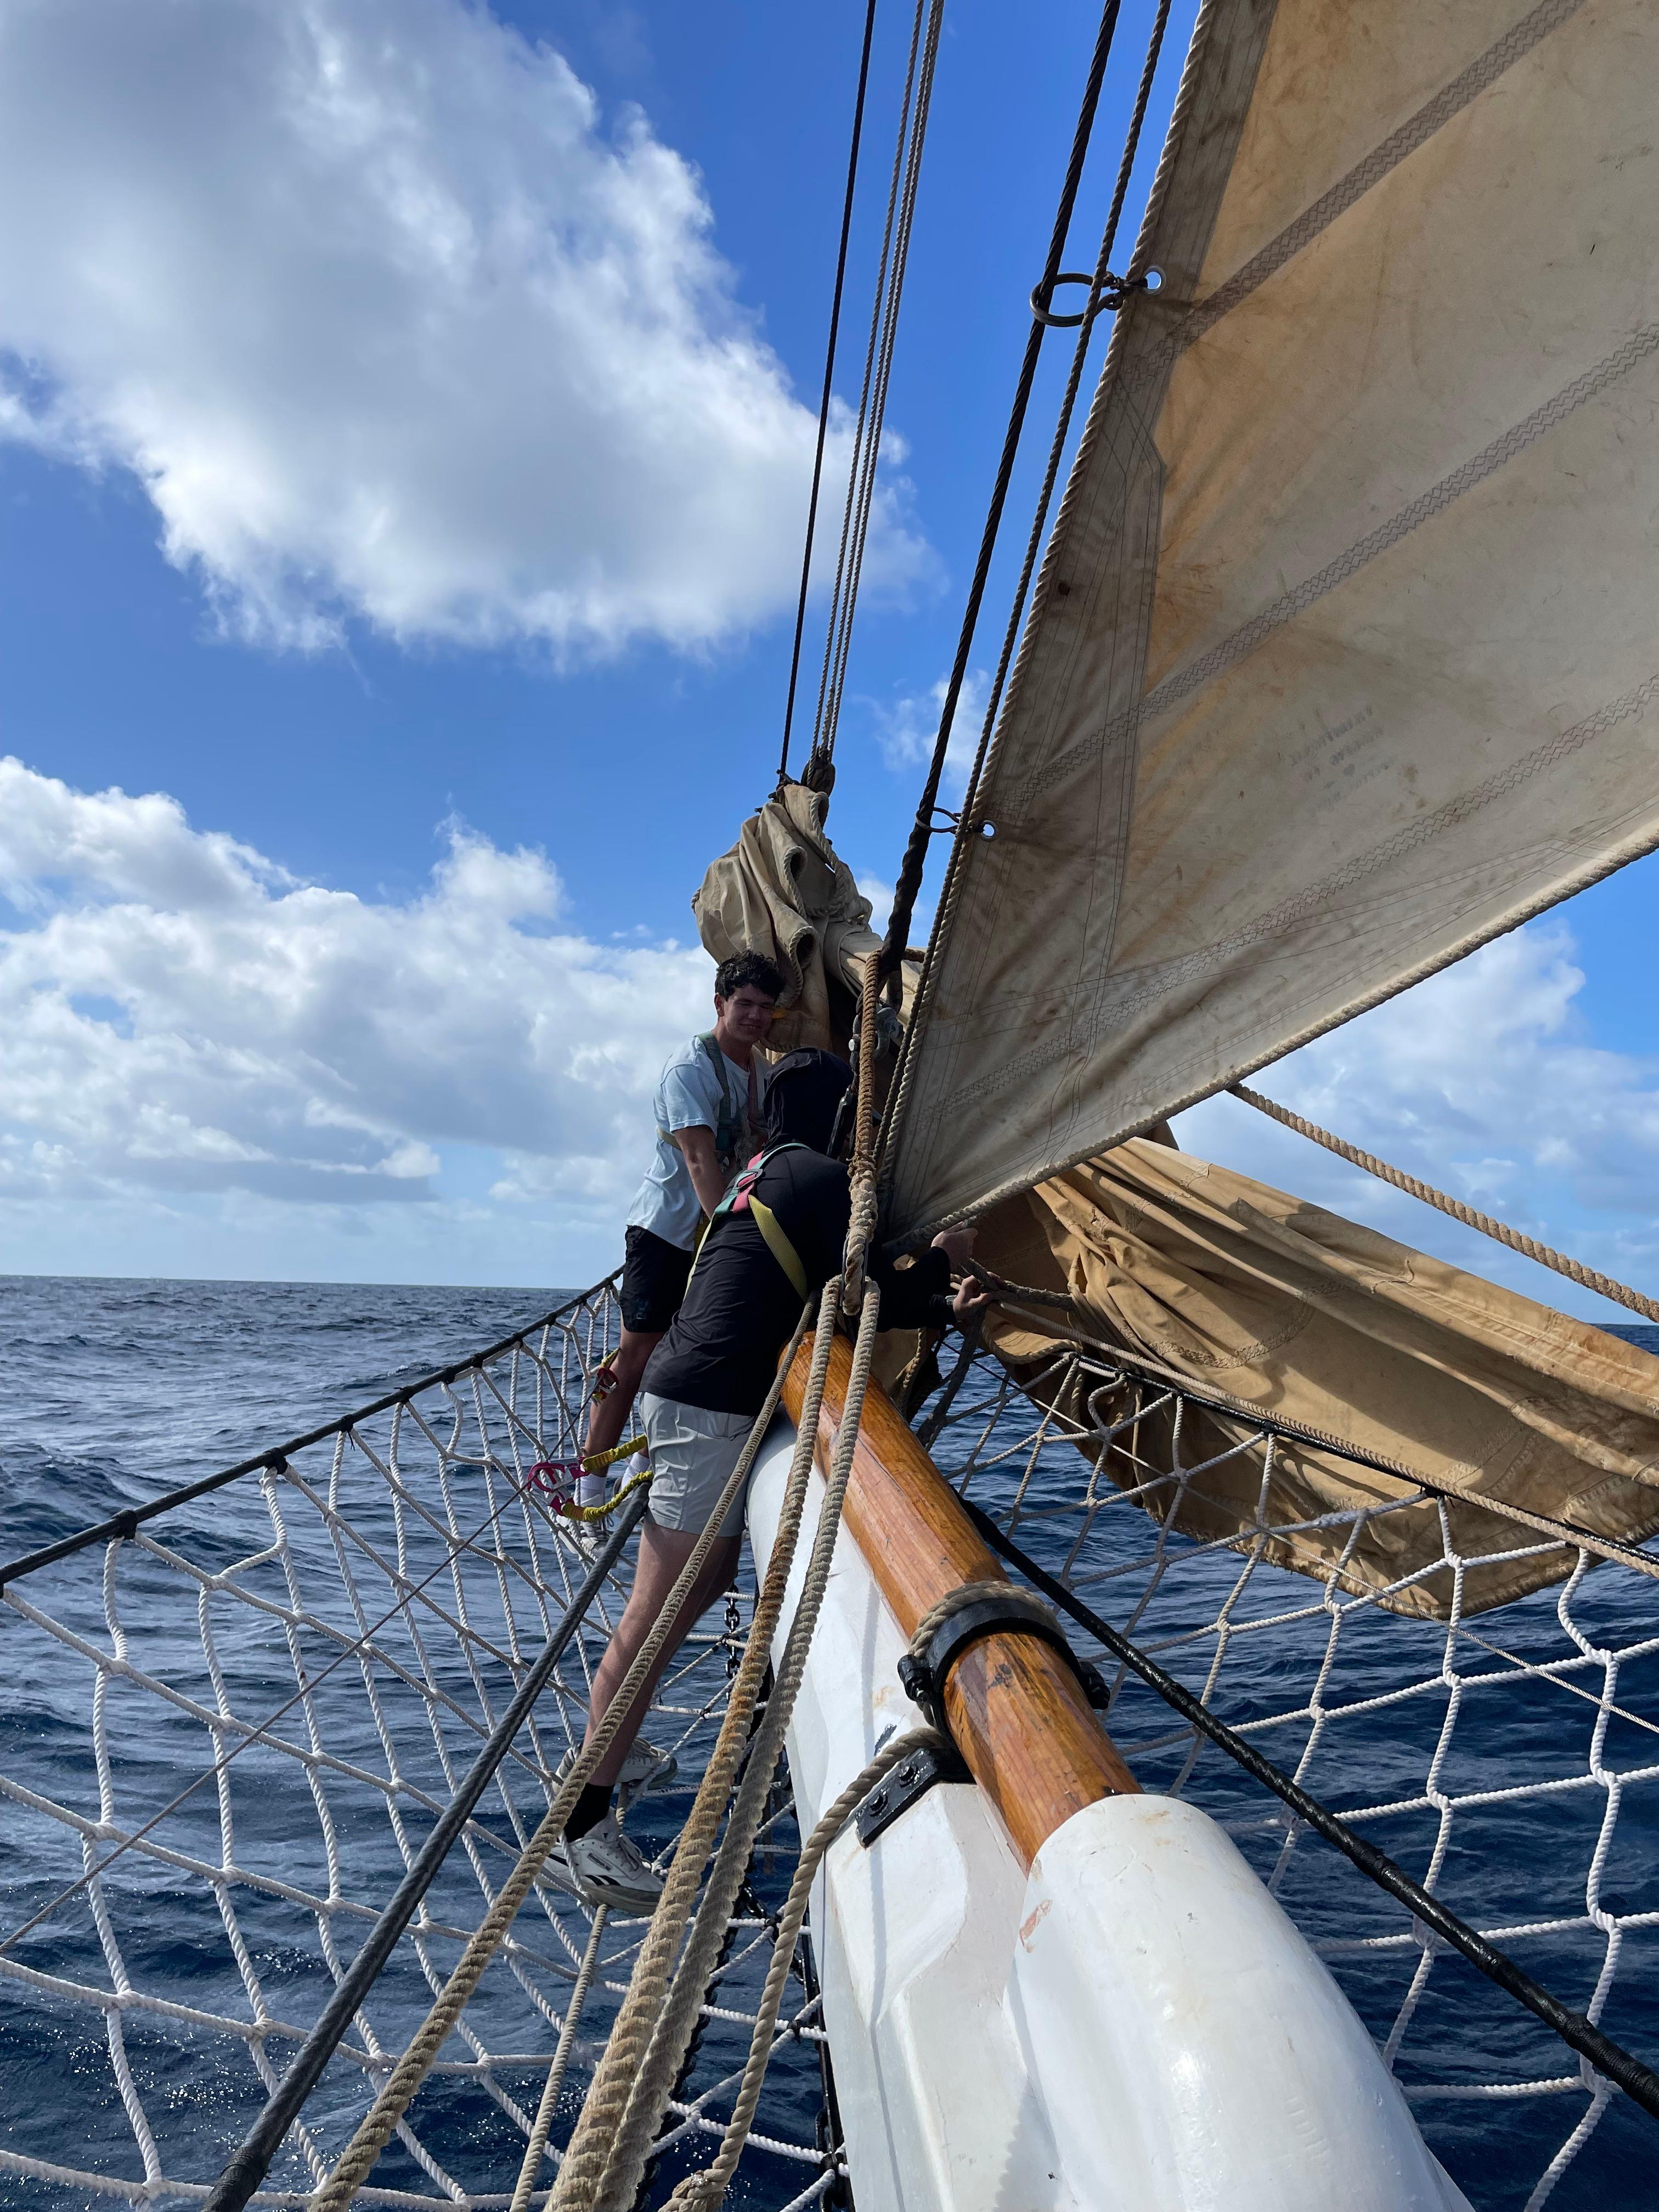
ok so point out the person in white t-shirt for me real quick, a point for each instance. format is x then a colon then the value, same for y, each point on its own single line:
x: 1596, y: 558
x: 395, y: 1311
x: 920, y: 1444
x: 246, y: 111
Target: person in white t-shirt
x: 708, y: 1109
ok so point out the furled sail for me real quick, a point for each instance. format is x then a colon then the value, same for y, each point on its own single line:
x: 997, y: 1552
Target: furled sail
x: 783, y: 891
x: 1342, y: 658
x: 1241, y: 1291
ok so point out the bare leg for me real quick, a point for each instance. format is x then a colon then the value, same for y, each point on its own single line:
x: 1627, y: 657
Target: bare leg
x: 663, y: 1552
x: 627, y: 1363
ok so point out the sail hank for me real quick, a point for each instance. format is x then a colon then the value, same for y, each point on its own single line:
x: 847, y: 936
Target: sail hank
x: 1341, y: 659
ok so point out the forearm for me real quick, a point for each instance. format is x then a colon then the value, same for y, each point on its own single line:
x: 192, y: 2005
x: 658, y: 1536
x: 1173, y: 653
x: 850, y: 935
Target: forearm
x: 708, y: 1179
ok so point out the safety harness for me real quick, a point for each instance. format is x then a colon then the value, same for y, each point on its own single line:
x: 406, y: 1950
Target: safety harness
x: 740, y: 1198
x: 729, y: 1121
x: 728, y: 1129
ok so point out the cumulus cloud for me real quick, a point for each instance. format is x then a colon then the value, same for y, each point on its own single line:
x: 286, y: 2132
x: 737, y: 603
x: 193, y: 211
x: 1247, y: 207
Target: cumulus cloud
x: 1484, y: 1081
x: 880, y: 895
x: 183, y: 1017
x: 906, y: 726
x: 209, y: 1063
x: 392, y: 323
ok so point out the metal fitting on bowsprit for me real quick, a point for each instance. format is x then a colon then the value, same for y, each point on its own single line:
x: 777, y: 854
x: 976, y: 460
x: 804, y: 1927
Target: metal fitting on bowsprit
x: 967, y: 1616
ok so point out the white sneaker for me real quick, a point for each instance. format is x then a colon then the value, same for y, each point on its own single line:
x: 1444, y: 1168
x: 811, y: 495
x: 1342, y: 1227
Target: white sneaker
x: 644, y: 1768
x: 608, y: 1867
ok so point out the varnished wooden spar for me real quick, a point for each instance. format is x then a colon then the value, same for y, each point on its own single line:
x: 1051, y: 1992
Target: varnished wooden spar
x: 1014, y: 1706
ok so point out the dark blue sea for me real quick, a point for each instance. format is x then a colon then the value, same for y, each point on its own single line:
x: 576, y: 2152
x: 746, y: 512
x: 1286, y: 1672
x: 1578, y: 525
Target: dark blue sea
x: 112, y: 1392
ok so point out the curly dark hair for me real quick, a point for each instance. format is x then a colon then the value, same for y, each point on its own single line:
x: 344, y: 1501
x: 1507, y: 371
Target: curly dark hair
x: 752, y: 969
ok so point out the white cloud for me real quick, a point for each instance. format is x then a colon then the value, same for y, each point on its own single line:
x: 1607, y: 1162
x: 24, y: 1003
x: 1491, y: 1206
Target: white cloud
x: 906, y: 728
x: 880, y: 895
x: 1483, y: 1082
x: 391, y: 322
x: 185, y: 1023
x: 210, y: 1067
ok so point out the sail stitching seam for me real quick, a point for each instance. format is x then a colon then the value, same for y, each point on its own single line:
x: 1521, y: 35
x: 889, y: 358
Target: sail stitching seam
x: 1463, y: 89
x: 1503, y: 449
x: 1310, y: 900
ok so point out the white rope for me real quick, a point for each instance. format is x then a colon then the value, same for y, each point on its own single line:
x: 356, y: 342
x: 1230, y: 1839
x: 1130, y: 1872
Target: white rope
x: 1515, y: 1749
x: 1303, y: 1659
x: 311, y: 1587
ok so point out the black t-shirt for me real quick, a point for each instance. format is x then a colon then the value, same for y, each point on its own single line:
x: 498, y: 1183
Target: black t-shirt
x: 721, y: 1349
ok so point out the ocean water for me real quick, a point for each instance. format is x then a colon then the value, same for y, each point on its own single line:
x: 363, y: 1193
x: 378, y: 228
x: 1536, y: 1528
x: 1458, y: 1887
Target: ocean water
x: 112, y: 1392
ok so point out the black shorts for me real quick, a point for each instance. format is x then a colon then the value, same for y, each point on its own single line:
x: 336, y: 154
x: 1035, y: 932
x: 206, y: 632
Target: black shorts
x: 654, y: 1281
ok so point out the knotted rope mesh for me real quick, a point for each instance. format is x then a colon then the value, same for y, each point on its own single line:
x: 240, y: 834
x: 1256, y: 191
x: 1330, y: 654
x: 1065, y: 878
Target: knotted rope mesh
x: 1510, y: 1763
x: 321, y: 1648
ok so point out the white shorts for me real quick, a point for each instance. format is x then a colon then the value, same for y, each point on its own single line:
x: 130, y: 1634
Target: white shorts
x: 693, y: 1453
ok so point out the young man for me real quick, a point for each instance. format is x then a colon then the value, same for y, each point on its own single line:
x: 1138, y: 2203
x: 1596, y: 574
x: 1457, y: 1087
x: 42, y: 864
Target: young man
x: 705, y: 1383
x: 708, y: 1108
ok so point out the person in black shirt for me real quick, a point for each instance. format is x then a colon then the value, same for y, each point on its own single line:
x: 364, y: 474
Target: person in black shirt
x: 775, y: 1244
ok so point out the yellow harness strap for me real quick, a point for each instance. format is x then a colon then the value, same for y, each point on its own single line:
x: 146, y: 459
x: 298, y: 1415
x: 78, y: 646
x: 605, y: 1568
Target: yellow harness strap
x: 779, y: 1245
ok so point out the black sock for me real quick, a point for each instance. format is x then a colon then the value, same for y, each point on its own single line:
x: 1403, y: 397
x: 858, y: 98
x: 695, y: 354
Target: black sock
x: 591, y: 1809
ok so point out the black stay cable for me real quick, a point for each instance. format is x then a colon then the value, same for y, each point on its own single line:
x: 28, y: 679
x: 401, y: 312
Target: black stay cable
x: 1638, y: 2081
x: 1101, y: 292
x: 915, y: 851
x: 829, y: 378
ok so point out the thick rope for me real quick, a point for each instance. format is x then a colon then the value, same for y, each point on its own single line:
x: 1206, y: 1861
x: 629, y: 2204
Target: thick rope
x: 605, y: 2162
x: 357, y: 2160
x: 703, y: 2192
x: 865, y: 1204
x: 1499, y: 1231
x: 672, y: 2040
x: 583, y: 2169
x: 543, y: 2127
x: 960, y: 1599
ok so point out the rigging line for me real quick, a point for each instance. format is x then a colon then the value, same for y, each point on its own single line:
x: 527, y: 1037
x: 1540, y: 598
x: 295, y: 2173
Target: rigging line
x: 915, y: 851
x: 871, y: 348
x: 516, y: 1491
x: 1487, y: 1223
x: 125, y: 1524
x: 828, y: 377
x: 1140, y: 1366
x: 870, y: 456
x: 1063, y: 421
x: 247, y: 2166
x: 1639, y: 2082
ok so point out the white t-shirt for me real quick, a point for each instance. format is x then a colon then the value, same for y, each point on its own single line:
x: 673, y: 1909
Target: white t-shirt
x: 688, y: 1097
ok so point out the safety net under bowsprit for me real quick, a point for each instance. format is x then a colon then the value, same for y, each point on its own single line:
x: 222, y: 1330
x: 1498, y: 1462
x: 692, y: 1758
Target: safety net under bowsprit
x: 232, y: 1722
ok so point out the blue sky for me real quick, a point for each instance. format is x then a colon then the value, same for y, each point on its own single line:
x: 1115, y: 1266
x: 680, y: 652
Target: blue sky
x: 403, y: 470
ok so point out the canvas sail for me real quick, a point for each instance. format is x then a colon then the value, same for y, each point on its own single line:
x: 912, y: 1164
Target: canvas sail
x: 1343, y: 658
x: 781, y: 890
x: 1244, y: 1292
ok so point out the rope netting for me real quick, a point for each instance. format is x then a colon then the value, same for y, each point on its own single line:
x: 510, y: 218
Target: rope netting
x: 228, y: 1734
x: 226, y: 1737
x: 1508, y: 1762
